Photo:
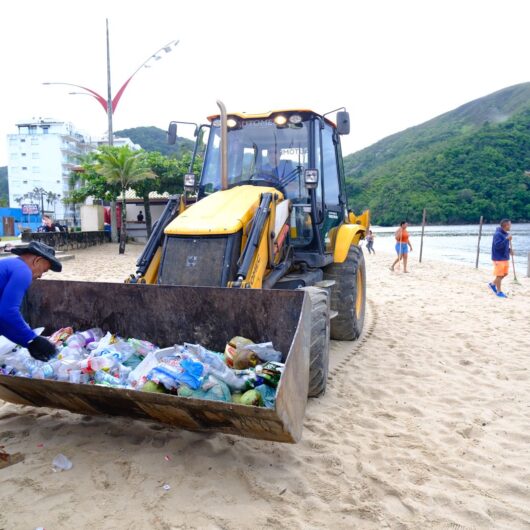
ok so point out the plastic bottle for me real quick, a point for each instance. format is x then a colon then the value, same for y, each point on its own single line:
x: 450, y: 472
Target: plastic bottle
x: 103, y: 377
x: 40, y: 370
x: 64, y: 367
x: 82, y: 339
x: 93, y: 364
x: 76, y: 341
x: 92, y: 335
x: 71, y: 353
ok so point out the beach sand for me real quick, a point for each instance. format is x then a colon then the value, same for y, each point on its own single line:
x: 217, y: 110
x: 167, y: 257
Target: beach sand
x: 424, y: 425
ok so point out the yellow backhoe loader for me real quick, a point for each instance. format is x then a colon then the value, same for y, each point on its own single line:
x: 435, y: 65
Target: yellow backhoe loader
x: 261, y: 244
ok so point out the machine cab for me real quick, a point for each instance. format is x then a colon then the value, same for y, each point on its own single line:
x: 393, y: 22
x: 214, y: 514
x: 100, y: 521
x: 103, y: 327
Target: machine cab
x: 276, y: 149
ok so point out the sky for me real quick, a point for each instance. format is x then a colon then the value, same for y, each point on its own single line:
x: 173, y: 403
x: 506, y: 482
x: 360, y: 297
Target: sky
x: 392, y: 63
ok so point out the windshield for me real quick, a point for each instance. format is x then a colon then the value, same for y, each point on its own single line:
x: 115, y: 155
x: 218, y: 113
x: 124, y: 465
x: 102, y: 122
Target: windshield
x: 260, y: 152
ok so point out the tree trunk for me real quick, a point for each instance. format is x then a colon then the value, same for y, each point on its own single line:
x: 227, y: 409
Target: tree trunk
x: 147, y: 210
x: 123, y: 231
x: 113, y: 222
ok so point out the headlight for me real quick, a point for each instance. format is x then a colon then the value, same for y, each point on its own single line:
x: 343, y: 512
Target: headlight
x: 280, y: 120
x: 189, y: 181
x: 295, y: 119
x: 311, y: 178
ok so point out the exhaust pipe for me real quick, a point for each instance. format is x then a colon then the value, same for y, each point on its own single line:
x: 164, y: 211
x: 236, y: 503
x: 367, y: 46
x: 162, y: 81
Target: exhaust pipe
x: 224, y: 146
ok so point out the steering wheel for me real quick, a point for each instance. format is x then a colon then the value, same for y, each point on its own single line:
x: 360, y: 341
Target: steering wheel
x: 263, y: 179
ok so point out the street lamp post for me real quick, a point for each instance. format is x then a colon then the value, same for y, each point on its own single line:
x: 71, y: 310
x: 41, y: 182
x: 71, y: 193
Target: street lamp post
x: 110, y: 103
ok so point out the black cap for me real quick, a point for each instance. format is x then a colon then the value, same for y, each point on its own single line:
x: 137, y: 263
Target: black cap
x: 40, y: 249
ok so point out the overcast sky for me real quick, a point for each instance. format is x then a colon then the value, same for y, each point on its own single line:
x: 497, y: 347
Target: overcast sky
x: 392, y: 63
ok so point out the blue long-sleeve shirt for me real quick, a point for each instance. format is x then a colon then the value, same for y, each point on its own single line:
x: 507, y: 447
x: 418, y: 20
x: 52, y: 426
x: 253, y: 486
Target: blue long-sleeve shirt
x: 15, y: 278
x: 500, y: 246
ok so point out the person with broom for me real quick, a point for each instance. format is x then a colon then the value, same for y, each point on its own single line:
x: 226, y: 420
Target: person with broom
x: 500, y: 255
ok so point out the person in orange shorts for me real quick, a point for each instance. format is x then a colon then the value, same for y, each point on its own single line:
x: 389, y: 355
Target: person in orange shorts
x: 500, y: 255
x: 402, y: 246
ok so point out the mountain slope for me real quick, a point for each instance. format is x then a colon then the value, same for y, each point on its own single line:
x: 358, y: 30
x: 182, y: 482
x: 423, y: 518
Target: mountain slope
x: 155, y: 139
x: 466, y: 163
x: 4, y: 189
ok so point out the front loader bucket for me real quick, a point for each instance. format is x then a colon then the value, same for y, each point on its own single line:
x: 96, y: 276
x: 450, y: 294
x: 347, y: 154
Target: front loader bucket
x: 167, y: 315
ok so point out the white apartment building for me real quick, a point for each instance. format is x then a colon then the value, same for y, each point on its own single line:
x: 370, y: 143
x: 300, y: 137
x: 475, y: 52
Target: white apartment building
x: 41, y: 156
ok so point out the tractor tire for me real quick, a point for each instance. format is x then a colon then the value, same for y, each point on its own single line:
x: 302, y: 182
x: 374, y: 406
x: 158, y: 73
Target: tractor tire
x: 319, y: 350
x: 348, y: 295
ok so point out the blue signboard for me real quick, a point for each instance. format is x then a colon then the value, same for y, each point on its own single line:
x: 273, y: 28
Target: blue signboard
x: 30, y: 209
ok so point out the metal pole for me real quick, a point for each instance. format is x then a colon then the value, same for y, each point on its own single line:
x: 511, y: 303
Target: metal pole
x: 478, y: 244
x: 422, y: 231
x: 224, y: 146
x: 109, y: 92
x: 113, y: 219
x: 528, y: 267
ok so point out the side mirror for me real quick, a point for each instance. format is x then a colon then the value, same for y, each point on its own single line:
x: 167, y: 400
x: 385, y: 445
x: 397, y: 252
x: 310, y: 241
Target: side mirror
x: 189, y: 182
x: 311, y: 178
x: 172, y: 133
x: 343, y: 122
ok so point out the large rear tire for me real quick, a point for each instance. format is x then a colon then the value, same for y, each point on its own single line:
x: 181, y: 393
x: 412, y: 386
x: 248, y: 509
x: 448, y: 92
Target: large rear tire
x: 319, y: 351
x: 348, y: 295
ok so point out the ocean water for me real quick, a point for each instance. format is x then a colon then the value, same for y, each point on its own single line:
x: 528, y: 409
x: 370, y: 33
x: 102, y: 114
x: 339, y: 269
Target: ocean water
x: 457, y: 243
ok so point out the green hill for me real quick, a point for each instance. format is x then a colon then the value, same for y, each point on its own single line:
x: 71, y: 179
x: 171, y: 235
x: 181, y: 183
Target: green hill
x: 4, y: 190
x: 155, y: 139
x: 469, y: 162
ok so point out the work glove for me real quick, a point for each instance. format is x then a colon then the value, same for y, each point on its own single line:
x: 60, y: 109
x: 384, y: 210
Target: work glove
x: 41, y: 349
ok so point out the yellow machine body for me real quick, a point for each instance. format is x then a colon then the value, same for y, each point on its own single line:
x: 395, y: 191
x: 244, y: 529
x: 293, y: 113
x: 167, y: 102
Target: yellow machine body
x: 223, y: 212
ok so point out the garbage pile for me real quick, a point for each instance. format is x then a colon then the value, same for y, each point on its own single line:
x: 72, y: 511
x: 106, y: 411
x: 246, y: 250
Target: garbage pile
x: 245, y: 373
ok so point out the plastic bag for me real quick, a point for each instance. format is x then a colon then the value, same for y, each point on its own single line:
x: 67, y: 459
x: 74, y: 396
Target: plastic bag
x: 268, y: 395
x: 265, y: 351
x: 139, y: 375
x: 188, y: 373
x: 61, y: 463
x: 215, y: 366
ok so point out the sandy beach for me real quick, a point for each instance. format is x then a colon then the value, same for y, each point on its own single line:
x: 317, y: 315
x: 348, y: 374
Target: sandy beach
x: 424, y: 425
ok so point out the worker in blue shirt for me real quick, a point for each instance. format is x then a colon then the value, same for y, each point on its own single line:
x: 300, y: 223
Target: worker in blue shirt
x: 16, y: 276
x: 500, y: 255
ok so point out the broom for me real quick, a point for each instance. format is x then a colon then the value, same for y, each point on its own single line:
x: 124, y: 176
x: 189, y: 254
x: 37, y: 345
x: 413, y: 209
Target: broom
x: 515, y: 280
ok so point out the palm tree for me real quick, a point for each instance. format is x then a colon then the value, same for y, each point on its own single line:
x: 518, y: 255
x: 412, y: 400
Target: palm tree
x: 122, y: 166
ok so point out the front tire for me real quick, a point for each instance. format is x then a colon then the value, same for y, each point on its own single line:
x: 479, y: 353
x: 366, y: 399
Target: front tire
x: 319, y: 350
x: 348, y: 295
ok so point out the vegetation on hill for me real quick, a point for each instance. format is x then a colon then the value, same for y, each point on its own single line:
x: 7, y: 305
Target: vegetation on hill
x: 4, y: 189
x: 466, y: 163
x: 155, y: 139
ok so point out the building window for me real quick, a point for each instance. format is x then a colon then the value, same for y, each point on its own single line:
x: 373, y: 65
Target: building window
x: 24, y: 168
x: 35, y: 155
x: 22, y: 154
x: 22, y: 140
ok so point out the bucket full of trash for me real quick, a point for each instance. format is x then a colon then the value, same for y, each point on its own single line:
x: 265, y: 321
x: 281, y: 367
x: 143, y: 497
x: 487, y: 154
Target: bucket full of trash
x: 205, y: 359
